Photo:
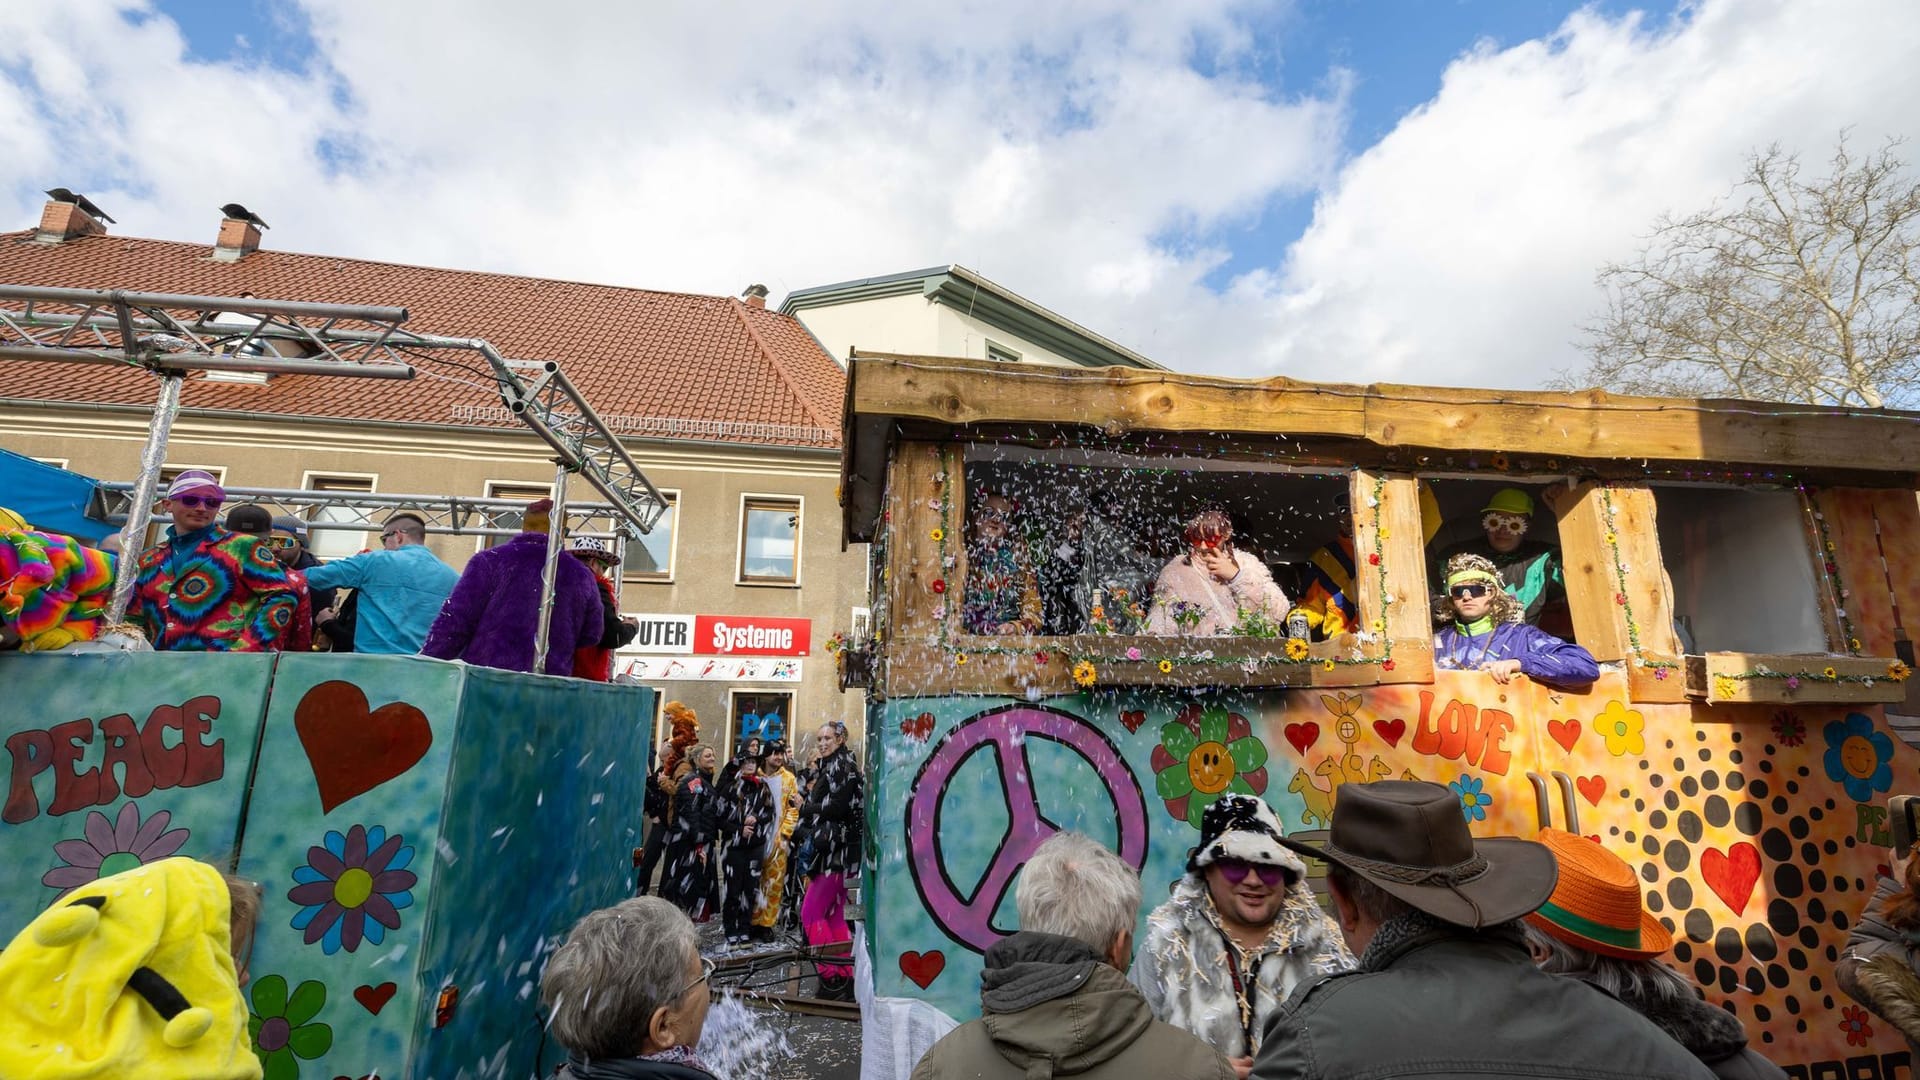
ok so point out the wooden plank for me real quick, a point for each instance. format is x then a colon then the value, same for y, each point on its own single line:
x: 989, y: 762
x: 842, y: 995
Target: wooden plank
x: 1705, y: 673
x: 913, y: 556
x: 917, y: 668
x: 1403, y: 558
x: 1600, y: 621
x: 1589, y: 424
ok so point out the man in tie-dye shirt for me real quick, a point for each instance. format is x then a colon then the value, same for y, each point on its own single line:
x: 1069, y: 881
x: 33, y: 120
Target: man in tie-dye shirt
x: 204, y: 589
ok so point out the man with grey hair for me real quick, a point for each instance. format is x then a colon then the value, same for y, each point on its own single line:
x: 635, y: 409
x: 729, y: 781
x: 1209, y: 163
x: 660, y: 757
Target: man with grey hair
x: 628, y: 993
x: 1054, y: 998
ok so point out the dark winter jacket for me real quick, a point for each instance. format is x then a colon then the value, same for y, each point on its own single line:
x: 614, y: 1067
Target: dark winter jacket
x: 491, y: 617
x: 1441, y: 1002
x: 688, y: 881
x: 594, y: 659
x: 629, y: 1069
x: 1712, y: 1035
x: 657, y: 799
x: 322, y: 598
x: 832, y: 814
x: 696, y: 811
x: 1879, y: 968
x: 747, y: 797
x: 1543, y: 657
x: 1050, y: 1007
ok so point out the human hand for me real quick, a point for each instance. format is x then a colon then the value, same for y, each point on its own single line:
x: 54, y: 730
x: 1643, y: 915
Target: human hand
x: 746, y: 833
x: 1242, y: 1066
x: 1219, y: 563
x: 1502, y: 671
x: 703, y: 856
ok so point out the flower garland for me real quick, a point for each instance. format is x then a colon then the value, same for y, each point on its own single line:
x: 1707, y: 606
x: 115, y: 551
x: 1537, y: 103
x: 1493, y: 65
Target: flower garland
x: 1726, y: 684
x: 1661, y: 668
x: 1829, y: 559
x: 1085, y: 666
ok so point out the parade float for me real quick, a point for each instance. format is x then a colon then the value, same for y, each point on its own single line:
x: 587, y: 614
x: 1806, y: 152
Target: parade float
x: 1738, y: 568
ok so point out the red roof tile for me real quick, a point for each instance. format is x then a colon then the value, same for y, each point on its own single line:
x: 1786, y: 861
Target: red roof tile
x: 660, y: 363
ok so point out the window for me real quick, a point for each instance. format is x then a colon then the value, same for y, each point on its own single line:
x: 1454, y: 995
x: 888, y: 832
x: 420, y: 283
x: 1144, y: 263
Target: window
x: 327, y: 544
x: 56, y: 462
x: 757, y: 714
x: 169, y: 472
x: 769, y: 540
x: 1002, y: 354
x: 510, y: 519
x: 650, y: 558
x: 1478, y: 517
x: 1742, y: 570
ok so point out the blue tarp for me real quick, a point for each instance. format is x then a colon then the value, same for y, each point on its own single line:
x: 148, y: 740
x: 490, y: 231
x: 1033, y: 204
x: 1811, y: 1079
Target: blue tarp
x: 51, y: 499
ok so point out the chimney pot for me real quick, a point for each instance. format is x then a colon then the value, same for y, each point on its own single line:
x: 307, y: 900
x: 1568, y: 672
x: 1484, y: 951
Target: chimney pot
x: 756, y: 295
x: 237, y: 240
x: 64, y: 221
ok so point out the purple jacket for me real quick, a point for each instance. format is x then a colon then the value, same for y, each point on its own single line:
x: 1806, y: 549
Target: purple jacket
x: 1543, y: 657
x: 490, y: 618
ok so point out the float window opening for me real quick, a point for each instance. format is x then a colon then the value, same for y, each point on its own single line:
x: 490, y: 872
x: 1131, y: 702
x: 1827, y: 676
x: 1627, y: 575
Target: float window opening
x: 1742, y: 570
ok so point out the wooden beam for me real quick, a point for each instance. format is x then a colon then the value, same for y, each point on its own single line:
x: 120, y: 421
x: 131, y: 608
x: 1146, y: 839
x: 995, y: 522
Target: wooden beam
x: 1600, y: 622
x: 1408, y: 619
x: 1704, y: 675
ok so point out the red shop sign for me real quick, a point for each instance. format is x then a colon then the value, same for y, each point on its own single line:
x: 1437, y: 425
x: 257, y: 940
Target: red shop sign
x: 751, y: 635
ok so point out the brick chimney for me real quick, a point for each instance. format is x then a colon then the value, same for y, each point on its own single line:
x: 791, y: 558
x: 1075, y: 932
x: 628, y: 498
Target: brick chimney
x: 755, y: 296
x: 65, y: 221
x: 237, y: 240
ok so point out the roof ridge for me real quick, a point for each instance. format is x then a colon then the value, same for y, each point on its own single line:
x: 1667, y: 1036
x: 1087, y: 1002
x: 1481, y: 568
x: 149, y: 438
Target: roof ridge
x: 761, y: 346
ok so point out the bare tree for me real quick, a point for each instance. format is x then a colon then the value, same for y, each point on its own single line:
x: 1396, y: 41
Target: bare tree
x: 1807, y: 291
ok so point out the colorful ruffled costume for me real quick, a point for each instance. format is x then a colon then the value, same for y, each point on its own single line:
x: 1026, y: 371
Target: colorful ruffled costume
x: 218, y: 592
x: 130, y: 976
x: 53, y: 589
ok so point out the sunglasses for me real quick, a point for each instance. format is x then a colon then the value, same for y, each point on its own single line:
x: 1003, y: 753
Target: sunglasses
x: 1236, y: 871
x: 706, y: 972
x: 1507, y: 522
x: 1471, y: 591
x: 282, y: 543
x: 195, y: 502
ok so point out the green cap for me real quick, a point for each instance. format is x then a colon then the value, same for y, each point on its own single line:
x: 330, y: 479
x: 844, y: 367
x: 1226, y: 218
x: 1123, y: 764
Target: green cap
x: 1510, y: 501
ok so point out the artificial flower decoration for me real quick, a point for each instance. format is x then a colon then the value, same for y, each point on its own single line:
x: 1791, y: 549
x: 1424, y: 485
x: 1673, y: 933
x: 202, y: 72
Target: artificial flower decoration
x: 352, y: 888
x: 1386, y: 665
x: 1327, y: 664
x: 1204, y: 753
x: 1726, y: 685
x: 1373, y: 558
x: 283, y: 1029
x: 1084, y: 673
x: 1858, y: 757
x: 1793, y: 682
x: 939, y: 585
x: 1040, y: 658
x: 1622, y: 728
x: 1829, y: 673
x: 1898, y: 671
x: 1296, y: 649
x: 1166, y: 666
x: 959, y: 658
x: 1133, y: 652
x: 1474, y: 800
x: 1498, y: 461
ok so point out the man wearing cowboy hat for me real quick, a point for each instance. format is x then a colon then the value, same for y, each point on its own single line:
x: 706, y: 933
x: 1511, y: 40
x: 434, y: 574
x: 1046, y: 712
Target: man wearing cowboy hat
x: 1240, y: 932
x: 1445, y: 986
x: 1593, y: 929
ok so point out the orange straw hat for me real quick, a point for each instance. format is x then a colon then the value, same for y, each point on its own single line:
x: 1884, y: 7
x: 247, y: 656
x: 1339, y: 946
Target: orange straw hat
x: 1596, y: 905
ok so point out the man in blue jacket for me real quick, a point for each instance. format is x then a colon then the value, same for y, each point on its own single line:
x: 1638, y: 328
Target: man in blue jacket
x: 402, y: 588
x: 1480, y: 630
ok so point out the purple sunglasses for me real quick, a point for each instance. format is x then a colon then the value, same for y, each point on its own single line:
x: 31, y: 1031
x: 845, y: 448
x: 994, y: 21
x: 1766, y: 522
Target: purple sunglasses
x: 1235, y: 871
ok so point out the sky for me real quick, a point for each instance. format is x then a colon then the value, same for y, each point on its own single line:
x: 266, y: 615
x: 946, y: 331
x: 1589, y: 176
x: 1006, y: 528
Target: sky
x: 1409, y: 191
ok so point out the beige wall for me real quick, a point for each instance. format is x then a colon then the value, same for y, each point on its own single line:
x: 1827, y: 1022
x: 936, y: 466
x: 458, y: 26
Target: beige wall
x: 912, y: 324
x: 710, y: 479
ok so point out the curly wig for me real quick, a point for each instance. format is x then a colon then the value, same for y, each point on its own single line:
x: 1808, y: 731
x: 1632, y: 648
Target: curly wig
x: 1505, y: 608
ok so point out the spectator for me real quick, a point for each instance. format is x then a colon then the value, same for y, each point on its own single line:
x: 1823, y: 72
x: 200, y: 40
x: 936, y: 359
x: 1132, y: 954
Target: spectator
x: 1240, y: 932
x: 254, y: 521
x: 689, y: 880
x: 1593, y: 929
x: 204, y: 589
x: 1528, y: 569
x: 654, y: 806
x: 1879, y: 969
x: 1481, y: 631
x: 1002, y: 594
x: 832, y: 816
x: 494, y: 611
x: 1212, y: 588
x: 289, y: 542
x: 594, y: 660
x: 398, y: 590
x: 1445, y: 986
x: 746, y: 816
x: 773, y: 873
x: 628, y: 994
x: 1054, y: 997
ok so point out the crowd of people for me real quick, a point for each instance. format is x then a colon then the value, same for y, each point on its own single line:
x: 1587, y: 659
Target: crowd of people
x: 757, y: 843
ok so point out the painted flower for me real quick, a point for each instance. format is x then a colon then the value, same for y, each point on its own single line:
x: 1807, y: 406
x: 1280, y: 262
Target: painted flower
x: 1855, y: 1025
x: 1898, y: 671
x: 1203, y: 754
x: 1166, y: 666
x: 1084, y: 673
x: 1622, y: 728
x: 352, y: 889
x: 1859, y: 757
x: 1296, y: 649
x: 282, y: 1027
x: 1788, y: 728
x: 112, y: 848
x: 1726, y: 685
x: 1474, y: 800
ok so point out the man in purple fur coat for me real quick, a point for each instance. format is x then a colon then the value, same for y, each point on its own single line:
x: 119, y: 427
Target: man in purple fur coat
x: 491, y: 616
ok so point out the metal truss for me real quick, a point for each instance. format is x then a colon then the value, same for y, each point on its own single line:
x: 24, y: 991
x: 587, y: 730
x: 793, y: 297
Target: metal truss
x: 352, y: 511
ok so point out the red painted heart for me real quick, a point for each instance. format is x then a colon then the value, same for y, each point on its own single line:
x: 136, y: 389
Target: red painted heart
x: 1391, y: 730
x: 374, y: 998
x: 353, y: 749
x: 1302, y: 736
x: 1131, y: 719
x: 1593, y: 787
x: 1564, y: 732
x: 918, y: 728
x: 923, y: 968
x: 1731, y: 874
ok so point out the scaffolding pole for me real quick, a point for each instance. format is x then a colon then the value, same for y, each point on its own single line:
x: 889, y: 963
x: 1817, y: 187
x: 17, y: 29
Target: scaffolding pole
x: 550, y: 567
x: 133, y: 534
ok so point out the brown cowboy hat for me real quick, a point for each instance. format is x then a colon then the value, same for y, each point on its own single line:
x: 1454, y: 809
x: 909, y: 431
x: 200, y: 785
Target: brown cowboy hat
x: 1409, y: 838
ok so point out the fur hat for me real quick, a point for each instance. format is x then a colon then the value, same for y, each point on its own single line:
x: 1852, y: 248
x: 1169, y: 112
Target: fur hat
x: 1245, y: 828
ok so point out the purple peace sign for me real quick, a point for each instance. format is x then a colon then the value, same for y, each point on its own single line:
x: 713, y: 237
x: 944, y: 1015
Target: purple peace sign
x: 968, y: 918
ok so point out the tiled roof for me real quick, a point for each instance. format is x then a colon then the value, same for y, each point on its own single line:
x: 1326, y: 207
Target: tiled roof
x: 664, y: 363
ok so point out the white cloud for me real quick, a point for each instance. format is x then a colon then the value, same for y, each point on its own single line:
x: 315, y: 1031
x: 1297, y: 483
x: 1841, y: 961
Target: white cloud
x: 1070, y: 150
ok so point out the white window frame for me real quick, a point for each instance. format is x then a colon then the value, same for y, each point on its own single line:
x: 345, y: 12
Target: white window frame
x: 219, y: 475
x: 672, y: 496
x: 740, y: 540
x: 309, y: 476
x: 56, y: 462
x: 733, y: 715
x: 482, y: 543
x: 1007, y: 356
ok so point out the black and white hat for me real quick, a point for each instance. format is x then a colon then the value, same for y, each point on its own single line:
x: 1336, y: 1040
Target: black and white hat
x: 1245, y: 828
